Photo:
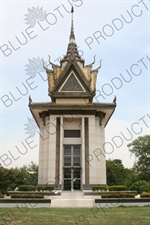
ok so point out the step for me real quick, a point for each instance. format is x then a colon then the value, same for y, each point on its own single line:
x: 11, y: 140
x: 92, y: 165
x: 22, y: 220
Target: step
x: 72, y: 195
x: 72, y: 203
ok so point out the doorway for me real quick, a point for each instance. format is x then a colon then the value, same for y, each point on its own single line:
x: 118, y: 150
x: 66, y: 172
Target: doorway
x: 72, y: 167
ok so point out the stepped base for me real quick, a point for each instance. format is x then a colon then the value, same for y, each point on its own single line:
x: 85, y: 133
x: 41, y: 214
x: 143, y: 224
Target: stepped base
x: 72, y: 199
x: 72, y: 203
x: 72, y: 195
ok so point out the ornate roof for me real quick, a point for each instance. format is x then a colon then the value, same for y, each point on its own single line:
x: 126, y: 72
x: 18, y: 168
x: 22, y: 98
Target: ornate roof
x: 72, y: 78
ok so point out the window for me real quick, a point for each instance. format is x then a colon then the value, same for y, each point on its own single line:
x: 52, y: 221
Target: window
x: 72, y: 156
x: 67, y: 150
x: 67, y: 160
x: 72, y: 133
x: 76, y: 161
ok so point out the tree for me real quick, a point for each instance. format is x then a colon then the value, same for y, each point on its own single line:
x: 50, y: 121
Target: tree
x: 116, y: 172
x: 13, y: 177
x: 141, y: 149
x: 131, y: 177
x: 140, y: 186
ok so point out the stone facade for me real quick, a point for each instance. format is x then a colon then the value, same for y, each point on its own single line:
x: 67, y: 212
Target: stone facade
x: 72, y: 126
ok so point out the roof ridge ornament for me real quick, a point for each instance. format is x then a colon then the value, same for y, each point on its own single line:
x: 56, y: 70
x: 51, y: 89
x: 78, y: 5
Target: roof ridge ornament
x: 115, y: 100
x: 91, y: 64
x: 72, y: 36
x: 30, y: 100
x: 46, y: 68
x: 53, y: 65
x: 96, y: 70
x: 72, y: 50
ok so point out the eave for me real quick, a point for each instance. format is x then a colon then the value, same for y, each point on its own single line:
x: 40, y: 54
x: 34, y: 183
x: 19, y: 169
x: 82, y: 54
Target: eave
x: 63, y: 109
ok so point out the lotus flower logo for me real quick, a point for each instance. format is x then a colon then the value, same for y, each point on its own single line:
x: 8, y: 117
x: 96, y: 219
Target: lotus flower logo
x: 35, y: 15
x: 34, y: 67
x: 31, y: 127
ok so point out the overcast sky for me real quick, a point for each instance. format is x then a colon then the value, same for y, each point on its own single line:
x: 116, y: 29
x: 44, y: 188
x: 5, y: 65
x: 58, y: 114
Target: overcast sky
x: 118, y: 32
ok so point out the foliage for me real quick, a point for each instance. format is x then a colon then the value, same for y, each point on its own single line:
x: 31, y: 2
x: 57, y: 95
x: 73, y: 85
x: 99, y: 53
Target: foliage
x: 127, y: 195
x: 141, y: 149
x: 116, y: 172
x: 101, y: 188
x: 1, y: 195
x: 119, y: 195
x: 132, y: 176
x: 117, y: 188
x: 13, y: 177
x: 26, y: 188
x: 45, y: 188
x: 140, y: 186
x: 27, y: 196
x: 110, y: 195
x: 145, y: 195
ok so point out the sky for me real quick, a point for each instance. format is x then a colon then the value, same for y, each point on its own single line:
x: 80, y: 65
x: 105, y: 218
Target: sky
x: 118, y: 32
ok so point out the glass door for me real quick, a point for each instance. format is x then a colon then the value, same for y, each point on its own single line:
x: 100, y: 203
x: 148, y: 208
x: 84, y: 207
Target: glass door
x: 72, y: 167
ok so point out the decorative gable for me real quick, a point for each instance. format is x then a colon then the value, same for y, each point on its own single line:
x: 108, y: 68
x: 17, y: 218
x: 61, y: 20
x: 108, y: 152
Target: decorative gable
x: 72, y: 84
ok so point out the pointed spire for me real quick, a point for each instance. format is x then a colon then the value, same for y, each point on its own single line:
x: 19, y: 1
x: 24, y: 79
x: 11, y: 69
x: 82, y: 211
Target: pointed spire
x: 72, y: 50
x: 72, y: 36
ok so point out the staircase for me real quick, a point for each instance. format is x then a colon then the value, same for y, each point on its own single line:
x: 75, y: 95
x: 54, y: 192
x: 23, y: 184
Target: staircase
x: 73, y: 199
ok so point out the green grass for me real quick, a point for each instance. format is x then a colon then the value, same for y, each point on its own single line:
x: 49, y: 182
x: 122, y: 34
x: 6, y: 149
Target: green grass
x: 95, y: 216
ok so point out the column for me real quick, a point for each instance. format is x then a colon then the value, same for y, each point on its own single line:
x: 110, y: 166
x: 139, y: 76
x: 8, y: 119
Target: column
x: 41, y: 143
x: 57, y: 168
x: 86, y: 136
x: 51, y: 128
x: 92, y: 147
x: 83, y: 152
x: 103, y: 156
x: 45, y: 150
x: 61, y: 151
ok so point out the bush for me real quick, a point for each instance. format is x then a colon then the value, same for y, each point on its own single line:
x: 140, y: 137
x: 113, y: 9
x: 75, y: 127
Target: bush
x: 45, y: 188
x: 27, y: 196
x: 140, y: 186
x: 1, y: 195
x: 145, y: 195
x: 101, y: 188
x: 9, y: 189
x: 119, y: 195
x: 110, y: 195
x: 26, y: 188
x: 2, y: 191
x: 117, y: 188
x: 127, y: 195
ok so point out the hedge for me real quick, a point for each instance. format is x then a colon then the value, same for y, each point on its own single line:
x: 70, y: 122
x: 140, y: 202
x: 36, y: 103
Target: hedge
x: 145, y: 195
x: 119, y: 195
x: 127, y: 195
x: 27, y: 196
x: 45, y: 188
x: 117, y: 188
x: 1, y: 195
x: 101, y: 188
x: 26, y: 188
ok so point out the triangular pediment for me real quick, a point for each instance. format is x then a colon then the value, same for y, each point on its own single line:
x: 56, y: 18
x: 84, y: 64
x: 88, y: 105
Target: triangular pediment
x: 72, y: 84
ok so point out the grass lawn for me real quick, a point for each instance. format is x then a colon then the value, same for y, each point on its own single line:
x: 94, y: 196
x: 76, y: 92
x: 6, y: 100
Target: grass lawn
x: 95, y: 216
